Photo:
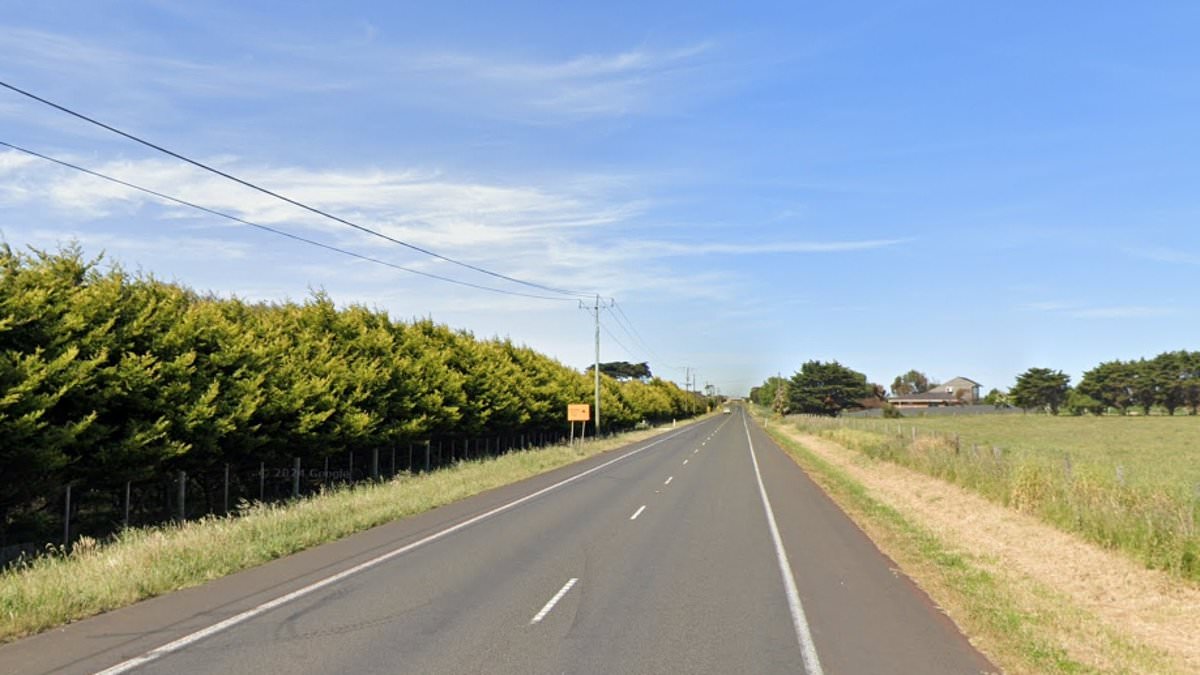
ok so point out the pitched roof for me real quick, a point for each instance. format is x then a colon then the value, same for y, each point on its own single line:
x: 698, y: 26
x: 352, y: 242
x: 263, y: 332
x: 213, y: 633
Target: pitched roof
x: 964, y: 379
x: 935, y: 395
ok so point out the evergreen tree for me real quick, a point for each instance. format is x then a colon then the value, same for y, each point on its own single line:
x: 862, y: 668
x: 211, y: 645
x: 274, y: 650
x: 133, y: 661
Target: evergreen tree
x: 826, y: 388
x: 1041, y: 388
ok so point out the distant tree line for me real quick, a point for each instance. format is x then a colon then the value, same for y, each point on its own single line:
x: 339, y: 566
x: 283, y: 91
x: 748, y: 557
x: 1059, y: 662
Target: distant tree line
x: 107, y: 377
x: 1170, y: 381
x: 623, y: 370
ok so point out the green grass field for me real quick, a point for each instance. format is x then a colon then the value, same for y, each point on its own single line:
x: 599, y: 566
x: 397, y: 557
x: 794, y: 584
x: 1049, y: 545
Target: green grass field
x: 1151, y: 450
x: 1129, y: 483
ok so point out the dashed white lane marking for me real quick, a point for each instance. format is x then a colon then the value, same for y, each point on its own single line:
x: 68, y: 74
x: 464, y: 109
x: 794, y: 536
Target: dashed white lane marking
x: 192, y: 638
x: 638, y: 512
x: 553, y: 601
x: 685, y: 461
x: 669, y: 479
x: 812, y: 664
x: 695, y: 451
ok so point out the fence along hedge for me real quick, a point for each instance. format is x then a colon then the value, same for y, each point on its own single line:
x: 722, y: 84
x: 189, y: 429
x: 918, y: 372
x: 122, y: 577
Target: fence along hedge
x: 107, y: 377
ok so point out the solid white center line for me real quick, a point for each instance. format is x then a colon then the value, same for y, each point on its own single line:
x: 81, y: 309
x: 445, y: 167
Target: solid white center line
x: 669, y: 479
x: 638, y: 512
x: 553, y: 601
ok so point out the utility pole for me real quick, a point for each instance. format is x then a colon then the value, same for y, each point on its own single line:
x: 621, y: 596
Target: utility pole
x: 689, y: 384
x: 596, y: 306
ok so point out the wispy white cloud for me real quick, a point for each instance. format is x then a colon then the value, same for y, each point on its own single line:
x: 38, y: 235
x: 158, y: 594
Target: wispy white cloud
x: 86, y: 61
x: 717, y: 248
x: 544, y: 234
x: 1076, y: 311
x: 583, y: 67
x: 187, y: 247
x: 528, y: 89
x: 579, y: 233
x: 1167, y: 255
x: 589, y: 85
x: 10, y: 162
x: 1123, y: 312
x: 1046, y: 306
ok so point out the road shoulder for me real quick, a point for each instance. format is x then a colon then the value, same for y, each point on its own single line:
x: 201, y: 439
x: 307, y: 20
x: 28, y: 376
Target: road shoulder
x: 976, y: 560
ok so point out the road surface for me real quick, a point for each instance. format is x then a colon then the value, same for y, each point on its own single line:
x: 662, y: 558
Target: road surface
x: 706, y: 550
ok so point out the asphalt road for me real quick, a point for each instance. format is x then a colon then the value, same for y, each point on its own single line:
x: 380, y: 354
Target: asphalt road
x: 663, y: 557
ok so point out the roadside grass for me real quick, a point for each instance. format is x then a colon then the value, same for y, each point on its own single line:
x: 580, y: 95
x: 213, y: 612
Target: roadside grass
x: 1022, y: 625
x: 1154, y: 520
x: 140, y: 563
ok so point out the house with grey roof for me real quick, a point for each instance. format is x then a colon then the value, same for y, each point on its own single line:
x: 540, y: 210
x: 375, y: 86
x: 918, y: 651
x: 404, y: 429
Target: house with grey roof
x: 958, y: 391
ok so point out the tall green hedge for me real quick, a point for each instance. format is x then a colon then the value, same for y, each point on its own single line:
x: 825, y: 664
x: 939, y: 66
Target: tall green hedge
x: 107, y: 376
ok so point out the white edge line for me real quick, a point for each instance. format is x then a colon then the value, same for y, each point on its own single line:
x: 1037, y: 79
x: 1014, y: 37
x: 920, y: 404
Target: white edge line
x: 191, y: 638
x: 799, y: 621
x: 553, y: 601
x: 668, y: 480
x: 638, y: 512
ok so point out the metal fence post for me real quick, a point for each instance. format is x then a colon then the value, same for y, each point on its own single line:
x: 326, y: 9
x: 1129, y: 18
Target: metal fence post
x: 182, y: 495
x: 350, y: 478
x: 325, y: 475
x: 393, y: 460
x: 262, y: 481
x: 67, y: 518
x: 226, y: 488
x: 426, y: 455
x: 296, y: 478
x: 374, y: 463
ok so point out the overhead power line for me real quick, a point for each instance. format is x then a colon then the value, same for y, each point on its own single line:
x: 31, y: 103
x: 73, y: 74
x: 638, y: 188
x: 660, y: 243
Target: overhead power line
x: 289, y: 200
x: 630, y: 323
x: 629, y: 329
x: 272, y: 230
x: 614, y: 338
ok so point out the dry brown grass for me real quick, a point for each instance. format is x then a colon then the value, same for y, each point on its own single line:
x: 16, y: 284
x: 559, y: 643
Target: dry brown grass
x: 1154, y: 521
x: 1106, y: 610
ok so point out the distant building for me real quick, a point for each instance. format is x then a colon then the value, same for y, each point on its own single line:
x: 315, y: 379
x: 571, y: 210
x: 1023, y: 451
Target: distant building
x: 958, y: 391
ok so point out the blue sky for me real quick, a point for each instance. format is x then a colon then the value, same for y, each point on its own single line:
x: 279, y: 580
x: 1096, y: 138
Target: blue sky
x: 962, y: 188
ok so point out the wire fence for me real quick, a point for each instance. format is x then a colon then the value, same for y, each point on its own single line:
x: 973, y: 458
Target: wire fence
x: 101, y: 506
